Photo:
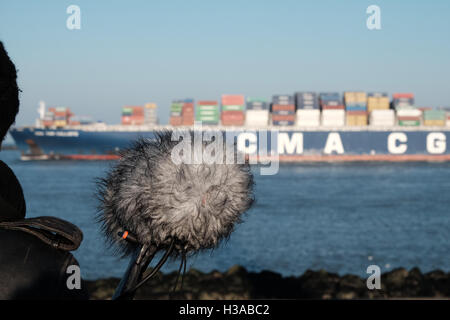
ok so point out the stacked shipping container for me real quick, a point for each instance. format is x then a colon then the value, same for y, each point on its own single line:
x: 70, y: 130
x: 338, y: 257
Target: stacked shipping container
x: 402, y: 100
x: 188, y: 112
x: 308, y: 111
x: 207, y: 112
x: 47, y: 120
x: 356, y: 108
x: 382, y: 118
x: 133, y: 115
x: 378, y: 108
x: 151, y: 114
x: 58, y: 116
x: 377, y: 101
x: 283, y: 110
x: 333, y: 110
x: 434, y: 117
x: 407, y: 114
x: 233, y: 110
x: 257, y: 114
x: 176, y: 109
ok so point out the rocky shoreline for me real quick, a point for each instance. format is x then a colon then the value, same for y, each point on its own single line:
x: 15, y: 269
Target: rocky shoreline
x: 237, y: 283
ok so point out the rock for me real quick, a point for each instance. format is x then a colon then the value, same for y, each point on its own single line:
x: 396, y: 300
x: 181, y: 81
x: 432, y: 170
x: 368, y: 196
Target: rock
x: 437, y: 283
x: 236, y: 270
x: 395, y: 278
x: 237, y: 283
x: 351, y: 287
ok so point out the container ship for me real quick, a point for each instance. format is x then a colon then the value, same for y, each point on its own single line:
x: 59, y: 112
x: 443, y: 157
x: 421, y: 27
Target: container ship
x: 305, y: 126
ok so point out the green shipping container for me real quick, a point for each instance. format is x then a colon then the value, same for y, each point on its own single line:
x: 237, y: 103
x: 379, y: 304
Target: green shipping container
x: 207, y: 107
x: 176, y: 108
x: 405, y: 107
x: 434, y: 115
x: 256, y: 100
x: 208, y: 120
x: 233, y: 108
x: 409, y: 123
x: 207, y: 117
x: 207, y: 112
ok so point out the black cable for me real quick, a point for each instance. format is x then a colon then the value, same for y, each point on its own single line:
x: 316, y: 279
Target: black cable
x: 157, y: 267
x: 177, y: 278
x: 184, y: 270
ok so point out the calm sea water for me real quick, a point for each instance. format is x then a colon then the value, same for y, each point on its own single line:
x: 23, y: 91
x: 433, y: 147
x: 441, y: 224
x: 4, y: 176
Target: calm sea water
x: 338, y: 217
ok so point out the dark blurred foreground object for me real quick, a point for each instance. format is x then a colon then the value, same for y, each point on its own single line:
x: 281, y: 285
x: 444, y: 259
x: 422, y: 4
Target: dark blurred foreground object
x: 237, y: 283
x: 152, y: 201
x: 34, y: 253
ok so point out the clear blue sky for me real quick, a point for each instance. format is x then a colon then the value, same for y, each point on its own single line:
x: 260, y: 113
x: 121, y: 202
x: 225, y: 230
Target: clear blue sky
x: 132, y: 52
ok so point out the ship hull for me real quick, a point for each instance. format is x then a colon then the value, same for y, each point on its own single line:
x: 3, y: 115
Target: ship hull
x: 284, y: 144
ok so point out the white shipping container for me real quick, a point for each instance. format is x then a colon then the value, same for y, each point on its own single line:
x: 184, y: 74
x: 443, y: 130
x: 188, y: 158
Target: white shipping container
x: 382, y: 122
x: 257, y: 117
x: 383, y: 118
x: 207, y: 107
x: 308, y: 118
x: 209, y: 113
x: 333, y: 118
x: 409, y: 113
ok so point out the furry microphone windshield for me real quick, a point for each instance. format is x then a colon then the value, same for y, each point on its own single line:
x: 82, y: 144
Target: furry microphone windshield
x: 187, y: 207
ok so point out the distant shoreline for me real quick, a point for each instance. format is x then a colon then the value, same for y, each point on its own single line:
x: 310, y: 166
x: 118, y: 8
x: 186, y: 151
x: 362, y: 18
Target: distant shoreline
x: 8, y: 147
x: 237, y: 283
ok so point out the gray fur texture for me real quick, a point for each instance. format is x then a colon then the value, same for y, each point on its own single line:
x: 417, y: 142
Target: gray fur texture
x: 149, y: 195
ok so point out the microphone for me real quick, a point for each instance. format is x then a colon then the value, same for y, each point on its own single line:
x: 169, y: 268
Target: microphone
x: 151, y: 202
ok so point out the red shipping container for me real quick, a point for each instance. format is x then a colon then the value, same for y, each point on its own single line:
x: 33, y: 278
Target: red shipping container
x: 126, y: 120
x: 133, y: 120
x: 232, y: 113
x: 403, y: 95
x: 233, y: 117
x: 134, y: 116
x: 280, y: 107
x: 339, y: 107
x: 188, y: 122
x: 136, y: 110
x: 233, y: 122
x: 188, y: 114
x: 60, y: 114
x: 207, y: 103
x: 278, y: 117
x: 403, y: 118
x: 233, y: 100
x: 188, y: 109
x: 176, y: 121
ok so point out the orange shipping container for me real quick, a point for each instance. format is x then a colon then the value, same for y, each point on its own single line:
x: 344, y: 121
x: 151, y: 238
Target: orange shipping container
x: 403, y: 95
x: 176, y: 121
x: 188, y: 122
x: 233, y: 122
x: 233, y: 100
x: 278, y: 117
x: 279, y: 107
x: 207, y: 103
